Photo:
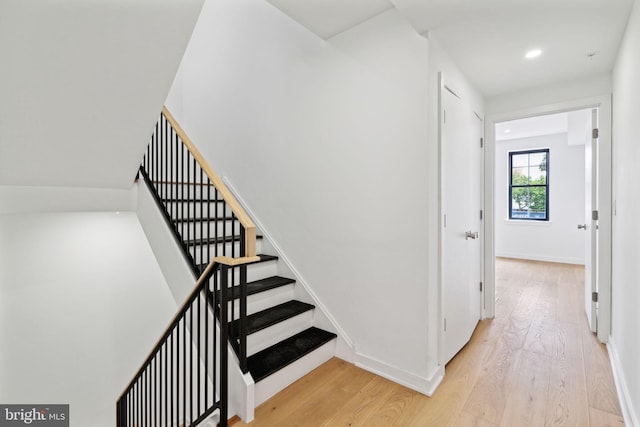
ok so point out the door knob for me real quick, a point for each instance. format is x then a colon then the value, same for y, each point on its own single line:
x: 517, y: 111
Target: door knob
x: 471, y: 235
x: 582, y: 226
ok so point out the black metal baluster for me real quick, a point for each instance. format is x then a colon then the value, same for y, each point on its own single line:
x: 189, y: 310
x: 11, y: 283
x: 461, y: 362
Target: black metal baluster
x: 214, y: 355
x: 206, y: 350
x: 171, y: 177
x: 191, y: 366
x: 209, y: 217
x: 198, y: 358
x: 165, y: 145
x: 182, y: 197
x: 184, y: 370
x: 153, y: 391
x: 215, y: 207
x: 243, y: 303
x: 224, y: 328
x: 193, y: 224
x: 202, y: 217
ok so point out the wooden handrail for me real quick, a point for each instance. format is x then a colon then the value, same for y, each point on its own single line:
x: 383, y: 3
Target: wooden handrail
x: 221, y: 260
x: 236, y: 208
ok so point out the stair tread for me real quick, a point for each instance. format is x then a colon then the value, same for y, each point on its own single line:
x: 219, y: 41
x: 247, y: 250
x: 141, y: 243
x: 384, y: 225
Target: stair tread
x: 282, y: 354
x: 206, y: 219
x: 261, y: 285
x: 270, y: 316
x: 180, y: 199
x: 214, y: 240
x: 263, y: 258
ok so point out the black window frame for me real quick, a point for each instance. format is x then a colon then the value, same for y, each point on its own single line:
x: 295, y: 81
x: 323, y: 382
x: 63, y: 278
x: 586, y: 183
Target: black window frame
x: 546, y: 185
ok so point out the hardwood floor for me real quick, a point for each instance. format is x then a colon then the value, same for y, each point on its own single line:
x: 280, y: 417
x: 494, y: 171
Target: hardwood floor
x: 535, y: 364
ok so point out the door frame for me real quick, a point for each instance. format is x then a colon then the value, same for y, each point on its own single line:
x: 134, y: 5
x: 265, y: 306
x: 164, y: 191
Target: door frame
x: 604, y: 183
x: 443, y: 86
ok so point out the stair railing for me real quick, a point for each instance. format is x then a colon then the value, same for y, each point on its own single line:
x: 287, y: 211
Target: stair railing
x: 184, y: 379
x: 182, y: 179
x: 198, y: 207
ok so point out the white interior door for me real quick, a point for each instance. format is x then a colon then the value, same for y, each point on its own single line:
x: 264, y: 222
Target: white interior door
x: 590, y: 225
x: 461, y: 201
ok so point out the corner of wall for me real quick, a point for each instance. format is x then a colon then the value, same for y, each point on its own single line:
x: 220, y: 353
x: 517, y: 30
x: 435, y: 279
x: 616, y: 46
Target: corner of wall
x: 425, y: 385
x: 626, y: 403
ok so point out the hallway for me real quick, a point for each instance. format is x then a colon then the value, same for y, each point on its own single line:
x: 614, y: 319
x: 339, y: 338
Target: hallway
x: 535, y: 364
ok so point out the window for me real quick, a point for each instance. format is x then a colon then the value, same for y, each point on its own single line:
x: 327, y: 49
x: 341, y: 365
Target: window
x: 529, y: 185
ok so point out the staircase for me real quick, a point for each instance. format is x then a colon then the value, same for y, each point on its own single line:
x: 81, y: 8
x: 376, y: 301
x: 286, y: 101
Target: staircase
x: 279, y: 328
x: 270, y: 330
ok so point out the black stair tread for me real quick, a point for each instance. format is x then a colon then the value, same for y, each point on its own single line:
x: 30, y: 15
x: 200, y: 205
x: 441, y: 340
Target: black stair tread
x: 270, y: 316
x: 215, y: 240
x: 276, y: 357
x: 212, y: 219
x: 182, y: 199
x: 261, y: 285
x: 199, y: 184
x: 263, y: 258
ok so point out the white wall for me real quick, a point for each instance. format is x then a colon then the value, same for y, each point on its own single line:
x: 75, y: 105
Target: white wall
x: 82, y: 84
x: 82, y: 301
x: 556, y: 240
x: 328, y: 142
x: 626, y: 293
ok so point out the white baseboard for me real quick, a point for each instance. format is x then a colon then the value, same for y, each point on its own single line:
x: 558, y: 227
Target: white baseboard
x: 426, y: 386
x: 626, y: 403
x: 344, y: 348
x: 544, y: 258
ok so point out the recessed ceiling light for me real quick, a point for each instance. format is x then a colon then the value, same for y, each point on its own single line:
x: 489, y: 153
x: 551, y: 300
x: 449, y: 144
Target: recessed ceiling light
x: 533, y: 54
x: 507, y: 131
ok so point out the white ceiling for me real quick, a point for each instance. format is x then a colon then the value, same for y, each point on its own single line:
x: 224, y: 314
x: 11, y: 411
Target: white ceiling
x: 488, y: 38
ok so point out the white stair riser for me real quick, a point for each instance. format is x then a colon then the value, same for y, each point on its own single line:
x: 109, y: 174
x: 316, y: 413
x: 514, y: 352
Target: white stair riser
x: 197, y: 229
x: 284, y: 377
x: 196, y: 210
x: 196, y: 250
x: 278, y: 332
x: 180, y: 191
x: 261, y: 270
x: 263, y: 300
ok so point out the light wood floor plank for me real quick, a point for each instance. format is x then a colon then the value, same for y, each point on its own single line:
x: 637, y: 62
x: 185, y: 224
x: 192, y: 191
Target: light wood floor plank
x: 567, y: 401
x: 527, y: 401
x: 365, y: 402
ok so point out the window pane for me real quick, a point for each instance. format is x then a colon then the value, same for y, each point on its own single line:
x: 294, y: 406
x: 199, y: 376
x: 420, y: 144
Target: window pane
x: 529, y: 203
x: 529, y: 185
x: 520, y: 160
x: 538, y: 159
x: 519, y: 176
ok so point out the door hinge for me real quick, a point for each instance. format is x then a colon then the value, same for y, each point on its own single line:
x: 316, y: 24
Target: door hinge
x: 444, y: 220
x: 444, y: 116
x: 594, y: 296
x: 481, y: 214
x: 481, y: 142
x: 595, y: 133
x: 480, y: 286
x: 445, y: 324
x: 594, y: 215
